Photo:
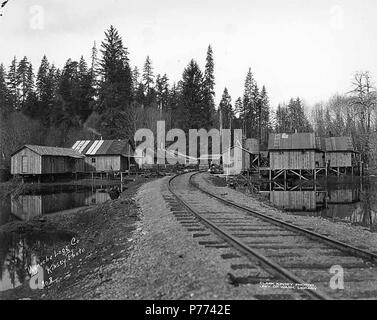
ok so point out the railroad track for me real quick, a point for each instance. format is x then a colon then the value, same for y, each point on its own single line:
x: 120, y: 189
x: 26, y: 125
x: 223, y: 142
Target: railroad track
x: 289, y: 253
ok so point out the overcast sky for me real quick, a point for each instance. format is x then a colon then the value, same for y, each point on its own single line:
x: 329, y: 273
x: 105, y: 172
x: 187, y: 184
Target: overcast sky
x: 305, y: 48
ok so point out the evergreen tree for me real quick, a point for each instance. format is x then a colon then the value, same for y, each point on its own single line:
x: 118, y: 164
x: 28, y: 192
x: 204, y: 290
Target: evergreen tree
x: 209, y: 86
x: 135, y: 79
x: 139, y: 95
x: 174, y: 106
x: 46, y: 88
x: 282, y: 122
x: 14, y: 94
x: 94, y: 70
x: 75, y: 95
x: 148, y: 76
x: 225, y: 107
x: 25, y: 80
x: 115, y: 93
x: 4, y: 93
x: 297, y: 117
x: 264, y: 116
x: 248, y: 113
x: 162, y: 92
x: 31, y: 101
x: 195, y: 113
x: 86, y: 91
x: 256, y: 121
x: 63, y: 114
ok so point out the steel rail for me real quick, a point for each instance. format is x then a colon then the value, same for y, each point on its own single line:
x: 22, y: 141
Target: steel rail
x: 246, y: 250
x: 354, y: 251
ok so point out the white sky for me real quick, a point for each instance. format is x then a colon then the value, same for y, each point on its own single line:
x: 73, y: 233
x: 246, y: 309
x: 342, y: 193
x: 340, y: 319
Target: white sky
x: 306, y: 48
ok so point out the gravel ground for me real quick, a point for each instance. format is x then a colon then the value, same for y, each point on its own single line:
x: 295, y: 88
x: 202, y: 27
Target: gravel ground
x: 166, y: 262
x: 353, y: 235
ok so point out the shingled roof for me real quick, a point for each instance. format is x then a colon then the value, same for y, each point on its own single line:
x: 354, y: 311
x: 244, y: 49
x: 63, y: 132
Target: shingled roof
x: 295, y: 141
x: 52, y: 151
x: 103, y: 147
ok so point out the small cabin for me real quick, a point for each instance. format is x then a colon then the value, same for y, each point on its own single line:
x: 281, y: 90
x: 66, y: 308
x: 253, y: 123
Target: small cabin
x: 38, y: 160
x: 106, y: 155
x: 297, y: 151
x: 339, y: 152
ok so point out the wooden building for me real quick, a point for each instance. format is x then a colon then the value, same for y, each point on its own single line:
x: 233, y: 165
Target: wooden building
x: 40, y: 160
x: 292, y: 151
x: 295, y: 154
x: 340, y: 152
x: 106, y: 155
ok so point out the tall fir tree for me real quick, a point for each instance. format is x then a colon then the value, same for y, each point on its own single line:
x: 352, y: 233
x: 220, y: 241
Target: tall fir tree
x: 265, y: 117
x: 174, y: 106
x: 162, y: 92
x: 248, y: 113
x: 135, y: 80
x: 14, y: 93
x: 25, y: 81
x: 298, y: 120
x: 256, y: 120
x: 226, y: 109
x: 115, y: 92
x: 282, y: 122
x: 46, y: 88
x: 148, y: 76
x: 87, y: 91
x: 209, y: 86
x: 195, y: 113
x: 5, y: 108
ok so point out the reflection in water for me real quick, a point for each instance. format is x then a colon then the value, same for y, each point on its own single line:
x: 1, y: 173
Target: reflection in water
x: 353, y: 202
x: 18, y: 251
x: 28, y: 206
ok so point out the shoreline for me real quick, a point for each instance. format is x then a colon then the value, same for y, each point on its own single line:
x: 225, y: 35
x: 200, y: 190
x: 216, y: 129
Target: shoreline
x: 102, y: 231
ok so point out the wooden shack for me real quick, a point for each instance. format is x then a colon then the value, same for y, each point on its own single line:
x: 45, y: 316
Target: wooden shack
x: 106, y: 155
x: 339, y: 152
x: 39, y: 160
x: 292, y: 151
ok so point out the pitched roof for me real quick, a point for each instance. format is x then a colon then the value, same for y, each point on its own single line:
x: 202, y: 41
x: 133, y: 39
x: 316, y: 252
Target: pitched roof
x: 52, y: 151
x: 295, y: 141
x: 103, y: 147
x: 338, y: 144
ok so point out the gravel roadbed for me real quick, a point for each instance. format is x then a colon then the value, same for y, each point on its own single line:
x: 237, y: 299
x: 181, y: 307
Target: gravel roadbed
x: 353, y: 235
x: 166, y: 262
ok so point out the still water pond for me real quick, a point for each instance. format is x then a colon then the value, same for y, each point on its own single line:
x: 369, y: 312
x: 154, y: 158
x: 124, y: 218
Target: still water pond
x: 354, y: 201
x: 19, y: 252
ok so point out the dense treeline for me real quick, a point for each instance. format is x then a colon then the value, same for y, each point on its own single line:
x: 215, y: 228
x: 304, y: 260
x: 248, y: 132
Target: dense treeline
x: 109, y: 98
